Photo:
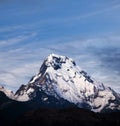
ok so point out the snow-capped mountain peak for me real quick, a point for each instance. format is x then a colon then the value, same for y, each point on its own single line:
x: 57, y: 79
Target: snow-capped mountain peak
x: 60, y: 77
x: 56, y: 61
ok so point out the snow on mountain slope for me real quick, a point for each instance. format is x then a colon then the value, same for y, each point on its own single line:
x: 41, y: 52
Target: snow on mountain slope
x: 59, y: 76
x: 7, y: 92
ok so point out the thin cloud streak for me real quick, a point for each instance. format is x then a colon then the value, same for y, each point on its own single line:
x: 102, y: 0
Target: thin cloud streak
x: 15, y: 40
x: 24, y: 62
x: 66, y: 19
x: 83, y: 16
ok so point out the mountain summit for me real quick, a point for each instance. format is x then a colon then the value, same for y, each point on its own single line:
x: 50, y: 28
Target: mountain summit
x: 61, y: 78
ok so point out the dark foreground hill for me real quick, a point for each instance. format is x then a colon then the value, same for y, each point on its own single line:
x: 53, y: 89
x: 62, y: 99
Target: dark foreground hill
x: 70, y: 116
x: 63, y: 117
x: 14, y: 113
x: 60, y: 117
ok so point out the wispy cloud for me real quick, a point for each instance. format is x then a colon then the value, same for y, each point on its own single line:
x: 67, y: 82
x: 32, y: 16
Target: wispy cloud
x: 96, y: 12
x: 9, y: 28
x: 18, y: 75
x: 24, y: 62
x: 102, y: 11
x: 17, y: 39
x: 12, y: 40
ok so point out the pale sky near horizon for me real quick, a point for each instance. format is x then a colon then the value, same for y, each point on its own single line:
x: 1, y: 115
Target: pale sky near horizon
x: 86, y: 30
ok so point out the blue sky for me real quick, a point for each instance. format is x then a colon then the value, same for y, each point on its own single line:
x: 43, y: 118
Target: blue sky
x: 85, y: 30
